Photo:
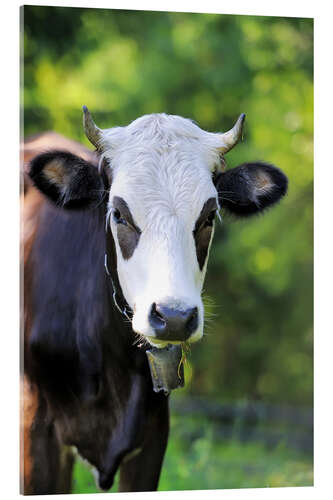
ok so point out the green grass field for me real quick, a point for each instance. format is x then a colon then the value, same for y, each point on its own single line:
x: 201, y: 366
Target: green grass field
x: 202, y: 462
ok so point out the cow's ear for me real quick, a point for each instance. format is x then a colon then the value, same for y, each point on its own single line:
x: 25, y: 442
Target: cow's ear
x: 67, y: 180
x: 250, y: 188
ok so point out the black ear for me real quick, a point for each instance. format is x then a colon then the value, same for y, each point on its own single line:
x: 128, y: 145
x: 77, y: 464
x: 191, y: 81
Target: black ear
x: 250, y: 188
x: 66, y: 179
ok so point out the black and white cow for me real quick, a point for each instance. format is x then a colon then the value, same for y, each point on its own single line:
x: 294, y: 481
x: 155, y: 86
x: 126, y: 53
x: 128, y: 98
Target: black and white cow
x: 145, y: 208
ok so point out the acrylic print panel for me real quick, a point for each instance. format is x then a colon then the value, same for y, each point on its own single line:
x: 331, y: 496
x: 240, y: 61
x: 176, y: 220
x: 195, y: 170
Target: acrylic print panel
x: 120, y: 321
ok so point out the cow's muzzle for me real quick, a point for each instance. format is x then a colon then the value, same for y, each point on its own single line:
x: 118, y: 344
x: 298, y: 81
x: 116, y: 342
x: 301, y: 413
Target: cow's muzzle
x: 173, y: 325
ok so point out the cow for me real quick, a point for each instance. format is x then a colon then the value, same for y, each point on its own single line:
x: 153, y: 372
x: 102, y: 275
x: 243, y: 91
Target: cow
x: 116, y: 244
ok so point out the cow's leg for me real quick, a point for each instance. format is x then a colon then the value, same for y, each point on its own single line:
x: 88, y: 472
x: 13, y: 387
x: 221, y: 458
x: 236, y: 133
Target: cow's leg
x: 46, y: 466
x: 66, y: 470
x: 142, y: 472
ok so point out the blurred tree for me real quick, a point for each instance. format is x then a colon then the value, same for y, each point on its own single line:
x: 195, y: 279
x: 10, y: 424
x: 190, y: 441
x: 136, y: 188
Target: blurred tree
x: 123, y: 64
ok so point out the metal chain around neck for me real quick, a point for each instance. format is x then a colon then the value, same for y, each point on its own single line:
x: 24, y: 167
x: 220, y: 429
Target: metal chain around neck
x: 123, y: 310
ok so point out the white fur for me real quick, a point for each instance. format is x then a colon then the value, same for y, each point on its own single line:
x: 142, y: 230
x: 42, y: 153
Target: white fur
x: 162, y: 167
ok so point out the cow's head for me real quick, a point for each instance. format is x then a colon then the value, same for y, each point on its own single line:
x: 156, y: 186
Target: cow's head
x: 166, y: 185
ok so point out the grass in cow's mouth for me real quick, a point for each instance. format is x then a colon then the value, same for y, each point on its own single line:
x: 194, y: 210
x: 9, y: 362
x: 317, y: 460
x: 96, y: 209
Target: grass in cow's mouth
x: 185, y: 346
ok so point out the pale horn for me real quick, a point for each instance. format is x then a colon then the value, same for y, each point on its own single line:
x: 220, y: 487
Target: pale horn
x: 93, y: 133
x: 232, y: 137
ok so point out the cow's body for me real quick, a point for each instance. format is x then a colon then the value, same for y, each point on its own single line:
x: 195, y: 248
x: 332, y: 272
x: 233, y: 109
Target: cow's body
x: 147, y: 198
x: 72, y: 296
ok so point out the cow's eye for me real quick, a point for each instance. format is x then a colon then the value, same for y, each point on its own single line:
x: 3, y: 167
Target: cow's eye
x: 118, y: 219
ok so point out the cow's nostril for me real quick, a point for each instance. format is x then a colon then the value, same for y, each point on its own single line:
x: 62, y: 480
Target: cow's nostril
x: 192, y: 322
x: 156, y: 319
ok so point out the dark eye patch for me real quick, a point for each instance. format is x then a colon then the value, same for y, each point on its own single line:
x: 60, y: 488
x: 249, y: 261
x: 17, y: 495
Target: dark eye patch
x: 128, y: 233
x: 203, y: 230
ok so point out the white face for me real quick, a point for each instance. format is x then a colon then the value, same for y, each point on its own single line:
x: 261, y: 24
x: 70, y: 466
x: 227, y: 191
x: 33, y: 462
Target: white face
x: 162, y: 204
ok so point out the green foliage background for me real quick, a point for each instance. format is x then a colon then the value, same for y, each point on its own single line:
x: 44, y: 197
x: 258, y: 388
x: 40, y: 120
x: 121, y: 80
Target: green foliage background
x: 122, y: 64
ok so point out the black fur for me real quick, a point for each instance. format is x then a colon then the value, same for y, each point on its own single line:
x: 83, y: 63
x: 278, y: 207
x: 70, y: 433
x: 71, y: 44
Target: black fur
x: 239, y: 188
x: 203, y: 230
x: 128, y: 233
x: 71, y: 302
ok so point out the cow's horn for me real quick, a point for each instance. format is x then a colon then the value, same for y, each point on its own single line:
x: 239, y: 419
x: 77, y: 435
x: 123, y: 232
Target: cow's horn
x: 230, y: 138
x: 91, y: 130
